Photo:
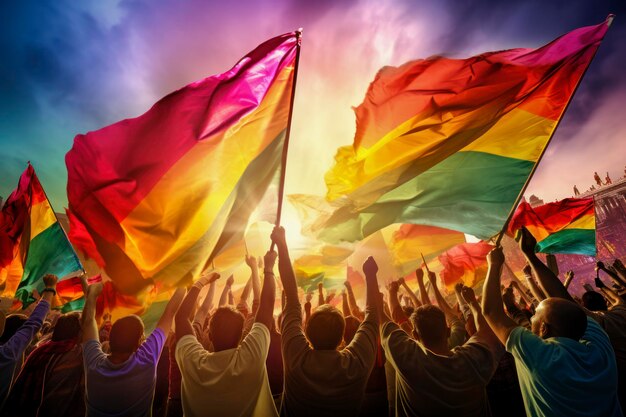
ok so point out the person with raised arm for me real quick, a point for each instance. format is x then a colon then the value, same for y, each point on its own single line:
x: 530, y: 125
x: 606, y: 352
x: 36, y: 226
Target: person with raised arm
x: 14, y: 340
x: 224, y: 298
x: 432, y: 379
x: 232, y: 380
x: 419, y: 275
x: 457, y: 326
x: 122, y: 382
x: 397, y: 313
x: 354, y: 307
x: 416, y: 302
x: 321, y: 380
x: 565, y: 365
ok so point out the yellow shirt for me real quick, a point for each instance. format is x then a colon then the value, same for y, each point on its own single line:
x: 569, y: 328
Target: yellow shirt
x: 232, y: 382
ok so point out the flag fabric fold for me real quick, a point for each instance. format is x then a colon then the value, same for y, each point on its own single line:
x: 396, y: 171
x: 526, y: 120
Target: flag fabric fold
x: 567, y: 226
x: 451, y: 142
x: 466, y: 263
x: 35, y: 241
x: 156, y: 198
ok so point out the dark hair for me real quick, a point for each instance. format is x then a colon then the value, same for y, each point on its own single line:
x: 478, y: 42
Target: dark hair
x: 126, y: 333
x: 325, y: 327
x: 226, y: 328
x: 67, y: 327
x: 11, y: 326
x: 430, y: 324
x: 594, y: 301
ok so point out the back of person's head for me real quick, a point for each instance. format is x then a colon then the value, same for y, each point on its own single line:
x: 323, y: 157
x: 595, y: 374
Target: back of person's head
x: 557, y: 317
x: 12, y: 325
x: 226, y: 328
x: 126, y: 334
x: 325, y: 327
x: 594, y: 301
x: 352, y: 325
x: 429, y: 324
x: 67, y: 327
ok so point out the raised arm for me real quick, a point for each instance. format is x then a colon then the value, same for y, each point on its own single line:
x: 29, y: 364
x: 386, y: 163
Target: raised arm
x: 445, y: 307
x: 612, y: 273
x: 344, y: 304
x: 482, y: 327
x: 287, y: 276
x: 550, y: 283
x: 206, y: 305
x: 412, y: 296
x: 89, y: 325
x: 320, y: 294
x: 370, y: 269
x: 394, y: 305
x: 532, y: 284
x: 608, y: 292
x: 225, y: 291
x: 165, y: 322
x: 354, y: 307
x: 531, y: 301
x: 181, y: 318
x: 265, y: 315
x: 419, y: 275
x: 569, y: 276
x: 492, y: 308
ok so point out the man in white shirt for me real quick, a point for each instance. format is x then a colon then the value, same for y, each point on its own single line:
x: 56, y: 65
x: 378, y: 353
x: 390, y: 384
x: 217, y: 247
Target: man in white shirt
x: 231, y: 380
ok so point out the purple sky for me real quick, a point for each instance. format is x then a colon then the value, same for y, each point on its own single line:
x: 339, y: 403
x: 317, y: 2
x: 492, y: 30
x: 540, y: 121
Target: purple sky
x: 70, y: 67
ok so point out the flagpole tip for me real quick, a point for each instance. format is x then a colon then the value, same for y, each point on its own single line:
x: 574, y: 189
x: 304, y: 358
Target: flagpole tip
x: 609, y: 19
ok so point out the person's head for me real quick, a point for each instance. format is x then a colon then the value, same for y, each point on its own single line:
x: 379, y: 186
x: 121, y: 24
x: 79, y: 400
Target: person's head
x: 226, y: 328
x: 126, y: 335
x: 594, y: 301
x: 429, y: 326
x: 352, y: 325
x: 325, y: 327
x: 556, y: 317
x: 408, y: 310
x: 11, y: 325
x: 67, y: 327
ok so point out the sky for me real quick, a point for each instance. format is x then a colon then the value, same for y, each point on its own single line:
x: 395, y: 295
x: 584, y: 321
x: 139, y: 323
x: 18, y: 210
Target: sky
x: 69, y: 67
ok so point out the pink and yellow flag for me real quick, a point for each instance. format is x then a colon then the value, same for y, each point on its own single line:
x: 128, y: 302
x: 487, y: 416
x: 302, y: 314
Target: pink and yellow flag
x: 157, y: 197
x: 466, y: 263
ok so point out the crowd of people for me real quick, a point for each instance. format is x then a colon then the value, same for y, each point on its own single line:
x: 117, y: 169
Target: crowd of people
x: 529, y: 348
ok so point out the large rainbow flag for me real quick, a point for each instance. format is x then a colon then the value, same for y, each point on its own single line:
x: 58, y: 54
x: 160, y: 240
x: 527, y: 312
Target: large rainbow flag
x: 157, y: 197
x: 34, y: 244
x: 566, y: 226
x: 451, y: 142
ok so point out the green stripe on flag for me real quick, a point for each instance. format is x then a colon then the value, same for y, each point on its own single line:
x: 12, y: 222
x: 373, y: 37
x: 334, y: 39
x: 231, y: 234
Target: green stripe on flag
x: 470, y: 192
x: 48, y: 253
x: 569, y: 241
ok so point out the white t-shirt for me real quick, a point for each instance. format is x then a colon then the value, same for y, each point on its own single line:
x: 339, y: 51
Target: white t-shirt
x: 232, y: 382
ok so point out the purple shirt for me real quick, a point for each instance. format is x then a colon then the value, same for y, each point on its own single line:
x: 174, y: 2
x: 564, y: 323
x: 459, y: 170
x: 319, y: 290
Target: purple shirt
x: 126, y: 388
x: 11, y: 352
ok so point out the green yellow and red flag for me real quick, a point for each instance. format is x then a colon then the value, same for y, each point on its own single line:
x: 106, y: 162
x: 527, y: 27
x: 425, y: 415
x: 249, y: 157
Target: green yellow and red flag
x: 451, y: 142
x: 34, y: 244
x: 566, y: 226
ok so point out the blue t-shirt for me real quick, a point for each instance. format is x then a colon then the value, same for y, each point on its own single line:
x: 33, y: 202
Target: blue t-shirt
x: 562, y: 377
x: 125, y: 389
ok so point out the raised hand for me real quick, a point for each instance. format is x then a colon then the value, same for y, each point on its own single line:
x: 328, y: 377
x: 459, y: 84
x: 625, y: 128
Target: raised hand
x: 206, y: 279
x: 308, y: 297
x: 468, y: 295
x: 230, y: 281
x: 419, y: 274
x: 347, y: 284
x: 508, y: 297
x: 278, y: 236
x: 251, y: 261
x: 496, y: 256
x: 527, y: 241
x: 370, y: 267
x: 94, y: 290
x: 50, y: 281
x: 269, y: 260
x: 432, y: 277
x: 393, y: 286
